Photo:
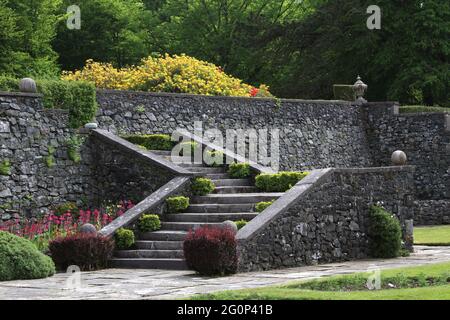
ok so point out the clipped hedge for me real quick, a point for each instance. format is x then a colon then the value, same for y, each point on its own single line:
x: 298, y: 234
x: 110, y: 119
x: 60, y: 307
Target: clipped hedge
x: 263, y: 205
x: 20, y: 259
x: 211, y: 251
x: 151, y: 141
x: 149, y: 223
x: 385, y: 234
x: 239, y: 170
x: 78, y: 97
x: 241, y: 223
x: 202, y: 186
x: 278, y: 182
x: 124, y: 239
x: 177, y: 204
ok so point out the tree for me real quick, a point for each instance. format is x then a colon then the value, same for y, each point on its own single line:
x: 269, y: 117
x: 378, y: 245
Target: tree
x: 111, y: 31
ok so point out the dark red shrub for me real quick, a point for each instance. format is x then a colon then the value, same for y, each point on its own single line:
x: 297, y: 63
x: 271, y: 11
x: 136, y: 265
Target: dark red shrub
x: 87, y: 251
x: 211, y: 251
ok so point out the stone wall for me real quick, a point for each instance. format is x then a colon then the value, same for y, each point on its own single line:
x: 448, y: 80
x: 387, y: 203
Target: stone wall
x: 424, y: 137
x: 26, y: 133
x: 328, y: 222
x: 432, y: 212
x: 313, y: 134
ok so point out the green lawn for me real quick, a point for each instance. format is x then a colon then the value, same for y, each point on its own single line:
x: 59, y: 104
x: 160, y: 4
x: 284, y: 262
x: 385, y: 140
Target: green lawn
x: 436, y: 235
x: 415, y: 109
x: 415, y: 283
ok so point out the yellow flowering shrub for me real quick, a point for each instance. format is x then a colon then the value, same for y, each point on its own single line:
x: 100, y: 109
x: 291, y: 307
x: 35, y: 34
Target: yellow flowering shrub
x: 178, y: 74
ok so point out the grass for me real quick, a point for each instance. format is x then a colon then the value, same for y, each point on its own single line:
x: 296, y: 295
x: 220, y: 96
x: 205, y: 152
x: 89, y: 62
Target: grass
x: 436, y: 235
x: 415, y: 109
x: 430, y: 282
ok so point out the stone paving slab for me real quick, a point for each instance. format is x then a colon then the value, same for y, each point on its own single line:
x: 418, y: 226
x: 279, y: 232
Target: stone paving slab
x: 169, y: 284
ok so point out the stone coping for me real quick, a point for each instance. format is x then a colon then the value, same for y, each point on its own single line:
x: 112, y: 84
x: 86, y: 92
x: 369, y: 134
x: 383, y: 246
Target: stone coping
x: 186, y: 95
x: 20, y: 94
x: 155, y: 199
x: 145, y: 155
x: 301, y: 189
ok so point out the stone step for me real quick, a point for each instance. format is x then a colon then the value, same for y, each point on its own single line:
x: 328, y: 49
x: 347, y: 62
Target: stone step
x: 164, y: 153
x: 235, y: 189
x: 232, y: 182
x: 217, y: 176
x: 148, y: 263
x: 208, y: 170
x: 159, y: 245
x: 235, y: 198
x: 158, y: 254
x: 220, y: 208
x: 209, y: 217
x: 186, y: 226
x: 163, y: 235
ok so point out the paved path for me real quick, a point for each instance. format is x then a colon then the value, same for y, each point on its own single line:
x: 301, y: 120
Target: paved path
x: 166, y: 284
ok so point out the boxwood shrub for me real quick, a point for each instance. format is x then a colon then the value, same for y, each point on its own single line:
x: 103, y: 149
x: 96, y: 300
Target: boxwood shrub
x: 278, y: 182
x: 202, y: 186
x: 177, y: 204
x: 151, y: 141
x: 20, y: 259
x: 261, y: 206
x: 124, y: 239
x: 239, y: 170
x: 211, y: 251
x: 88, y: 251
x: 385, y: 233
x: 240, y: 223
x: 149, y: 223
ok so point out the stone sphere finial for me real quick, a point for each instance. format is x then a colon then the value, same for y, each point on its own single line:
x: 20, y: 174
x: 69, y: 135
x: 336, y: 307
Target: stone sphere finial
x: 230, y: 225
x: 360, y: 88
x: 88, y: 228
x: 398, y: 158
x: 27, y: 85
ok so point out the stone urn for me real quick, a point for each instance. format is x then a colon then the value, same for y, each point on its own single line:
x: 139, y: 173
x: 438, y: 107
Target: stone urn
x: 27, y: 85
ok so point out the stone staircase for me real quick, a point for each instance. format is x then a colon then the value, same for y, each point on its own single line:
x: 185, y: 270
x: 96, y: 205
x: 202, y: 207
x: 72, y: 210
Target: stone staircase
x: 233, y: 199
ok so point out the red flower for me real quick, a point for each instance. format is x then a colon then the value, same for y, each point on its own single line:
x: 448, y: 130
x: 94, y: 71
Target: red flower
x: 254, y: 91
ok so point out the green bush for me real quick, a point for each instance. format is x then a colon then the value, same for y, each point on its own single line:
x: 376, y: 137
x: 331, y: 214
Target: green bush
x: 344, y: 92
x: 124, y: 239
x: 5, y: 168
x: 278, y: 182
x: 151, y: 141
x: 385, y: 234
x: 149, y: 222
x: 202, y: 186
x: 239, y: 170
x: 261, y: 206
x: 20, y: 259
x: 240, y: 223
x: 63, y: 208
x: 177, y: 204
x: 9, y: 84
x: 214, y: 158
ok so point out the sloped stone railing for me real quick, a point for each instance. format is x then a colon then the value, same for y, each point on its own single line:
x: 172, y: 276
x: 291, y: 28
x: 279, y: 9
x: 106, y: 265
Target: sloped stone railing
x: 148, y: 204
x: 324, y: 218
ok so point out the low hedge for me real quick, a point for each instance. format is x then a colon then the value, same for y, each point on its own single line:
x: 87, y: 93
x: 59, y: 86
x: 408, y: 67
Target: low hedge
x: 87, y: 251
x: 151, y: 141
x: 241, y: 223
x: 239, y: 170
x: 78, y: 97
x: 20, y: 259
x: 202, y: 186
x: 149, y: 223
x: 177, y: 204
x: 124, y: 239
x: 278, y: 182
x: 211, y: 251
x: 263, y: 205
x: 385, y: 234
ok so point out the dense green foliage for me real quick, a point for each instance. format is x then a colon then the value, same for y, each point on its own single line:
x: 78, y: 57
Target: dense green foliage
x: 124, y: 239
x: 239, y: 170
x: 385, y: 234
x: 5, y: 168
x: 263, y: 205
x: 202, y: 186
x: 20, y: 259
x: 151, y: 141
x: 149, y: 222
x: 177, y: 204
x: 241, y: 223
x: 278, y: 182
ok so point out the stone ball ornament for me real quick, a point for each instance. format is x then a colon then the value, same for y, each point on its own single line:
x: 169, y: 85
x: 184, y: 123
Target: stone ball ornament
x: 88, y: 228
x: 399, y: 158
x: 230, y: 225
x: 27, y: 85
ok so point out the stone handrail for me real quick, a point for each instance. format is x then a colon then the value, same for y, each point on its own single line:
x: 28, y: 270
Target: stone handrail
x: 282, y: 204
x: 146, y: 205
x: 139, y: 153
